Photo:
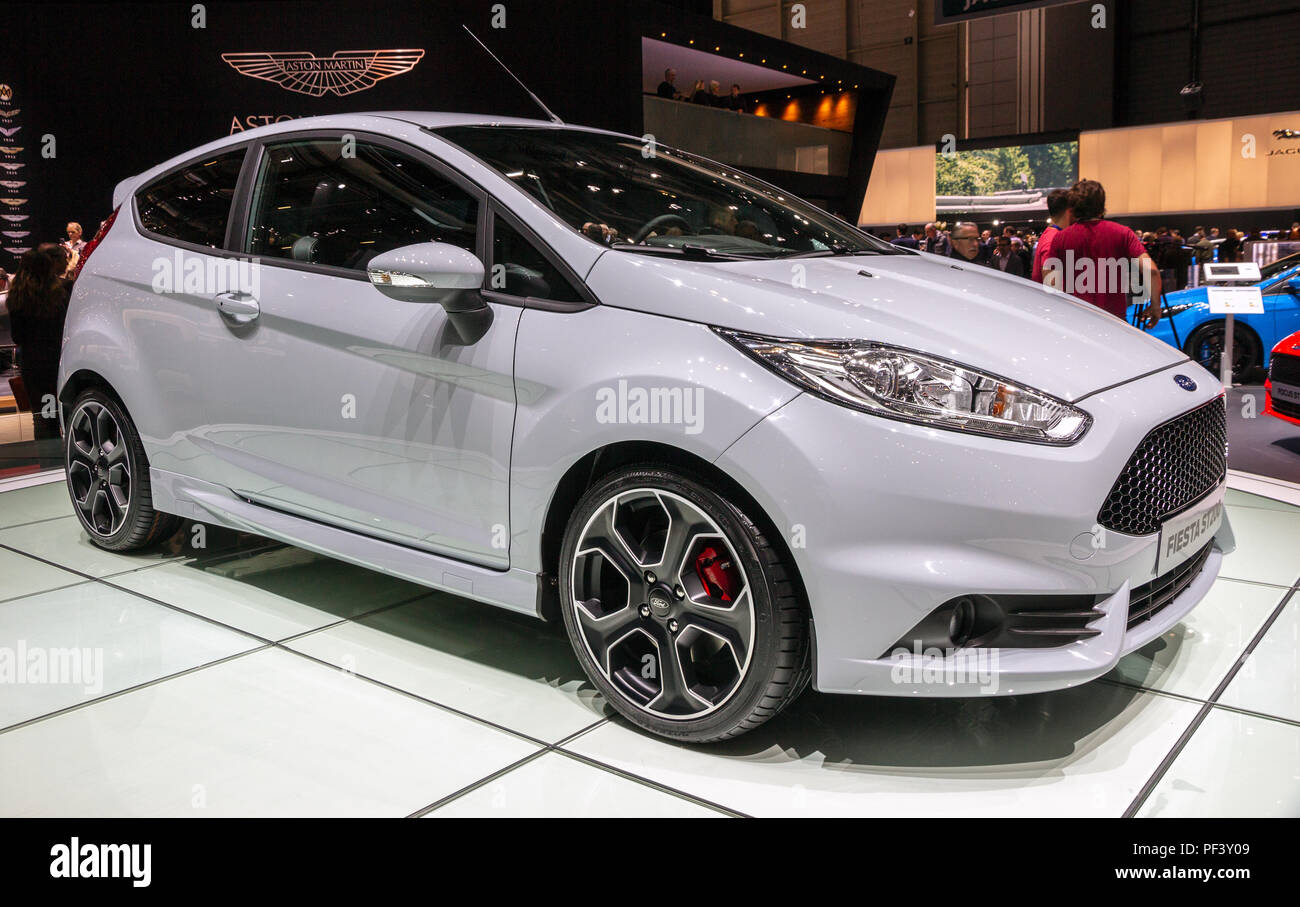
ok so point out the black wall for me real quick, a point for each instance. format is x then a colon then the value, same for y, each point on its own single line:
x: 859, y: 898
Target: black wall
x: 1249, y: 58
x: 122, y: 87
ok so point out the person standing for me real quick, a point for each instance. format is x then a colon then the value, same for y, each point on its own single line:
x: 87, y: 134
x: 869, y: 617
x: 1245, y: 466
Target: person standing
x: 966, y: 245
x: 38, y: 304
x: 1058, y: 215
x: 1110, y: 253
x: 74, y: 242
x: 1005, y: 259
x: 905, y: 239
x: 734, y: 101
x: 936, y: 243
x: 667, y: 88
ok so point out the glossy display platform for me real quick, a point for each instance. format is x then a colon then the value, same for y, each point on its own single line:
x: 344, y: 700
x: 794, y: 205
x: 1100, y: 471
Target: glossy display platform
x: 247, y: 678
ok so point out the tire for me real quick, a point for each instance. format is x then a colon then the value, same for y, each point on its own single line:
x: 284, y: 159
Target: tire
x: 1205, y: 345
x: 108, y: 476
x: 706, y: 585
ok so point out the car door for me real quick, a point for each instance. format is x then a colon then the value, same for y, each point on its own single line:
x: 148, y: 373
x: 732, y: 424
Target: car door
x: 160, y: 281
x: 339, y: 404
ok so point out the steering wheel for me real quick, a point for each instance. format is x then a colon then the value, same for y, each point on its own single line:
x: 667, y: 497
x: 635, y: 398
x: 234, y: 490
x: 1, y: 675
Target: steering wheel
x: 663, y: 220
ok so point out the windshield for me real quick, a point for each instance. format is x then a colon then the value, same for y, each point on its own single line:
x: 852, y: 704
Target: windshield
x: 1274, y: 268
x: 637, y: 197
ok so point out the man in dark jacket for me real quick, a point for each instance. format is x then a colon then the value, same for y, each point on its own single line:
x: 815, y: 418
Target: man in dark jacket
x: 905, y: 239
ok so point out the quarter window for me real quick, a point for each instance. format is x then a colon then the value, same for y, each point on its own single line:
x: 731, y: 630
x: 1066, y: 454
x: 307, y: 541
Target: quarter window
x: 315, y: 204
x: 520, y: 269
x: 193, y: 204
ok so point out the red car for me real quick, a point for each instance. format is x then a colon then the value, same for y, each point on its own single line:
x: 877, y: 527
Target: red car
x: 1282, y: 388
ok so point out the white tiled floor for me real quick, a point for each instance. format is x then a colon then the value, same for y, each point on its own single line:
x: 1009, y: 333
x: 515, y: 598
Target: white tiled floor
x: 245, y: 678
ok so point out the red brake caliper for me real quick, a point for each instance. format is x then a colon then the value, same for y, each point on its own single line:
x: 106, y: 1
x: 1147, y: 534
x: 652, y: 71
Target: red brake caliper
x: 717, y: 574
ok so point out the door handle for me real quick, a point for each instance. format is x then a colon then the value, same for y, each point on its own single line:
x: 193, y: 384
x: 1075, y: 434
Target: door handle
x: 240, y: 308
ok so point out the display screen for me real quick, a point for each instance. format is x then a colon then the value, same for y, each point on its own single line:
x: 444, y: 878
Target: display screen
x: 1010, y: 178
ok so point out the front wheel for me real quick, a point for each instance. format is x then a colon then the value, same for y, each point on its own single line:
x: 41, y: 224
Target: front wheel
x: 1206, y: 344
x: 108, y: 476
x: 683, y: 614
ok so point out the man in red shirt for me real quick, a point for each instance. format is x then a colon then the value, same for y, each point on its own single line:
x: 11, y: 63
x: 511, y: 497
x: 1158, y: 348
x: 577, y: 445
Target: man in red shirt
x: 1058, y: 213
x: 1100, y: 261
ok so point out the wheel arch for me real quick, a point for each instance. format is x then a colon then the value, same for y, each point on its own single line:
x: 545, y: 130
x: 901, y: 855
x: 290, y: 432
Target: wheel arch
x: 79, y: 381
x: 593, y: 466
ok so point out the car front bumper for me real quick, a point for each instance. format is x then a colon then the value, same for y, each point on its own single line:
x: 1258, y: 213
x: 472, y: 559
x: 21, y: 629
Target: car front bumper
x: 887, y: 521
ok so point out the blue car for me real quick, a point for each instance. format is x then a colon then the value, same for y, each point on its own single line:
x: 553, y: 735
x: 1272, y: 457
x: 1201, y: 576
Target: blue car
x: 1186, y: 321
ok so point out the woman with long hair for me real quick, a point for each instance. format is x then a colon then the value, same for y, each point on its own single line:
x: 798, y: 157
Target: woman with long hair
x: 38, y: 304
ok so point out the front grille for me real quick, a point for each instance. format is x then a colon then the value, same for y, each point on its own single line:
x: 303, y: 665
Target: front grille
x: 1149, y: 600
x: 1176, y: 465
x: 1285, y: 370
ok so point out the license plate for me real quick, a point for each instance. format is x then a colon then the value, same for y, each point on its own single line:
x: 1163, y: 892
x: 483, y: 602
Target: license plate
x: 1184, y: 535
x: 1286, y: 392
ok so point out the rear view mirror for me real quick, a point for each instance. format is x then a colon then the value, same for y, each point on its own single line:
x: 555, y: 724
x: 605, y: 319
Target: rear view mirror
x: 436, y: 272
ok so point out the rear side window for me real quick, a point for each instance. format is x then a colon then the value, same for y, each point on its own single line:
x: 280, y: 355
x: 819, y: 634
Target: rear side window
x: 314, y: 203
x: 192, y: 204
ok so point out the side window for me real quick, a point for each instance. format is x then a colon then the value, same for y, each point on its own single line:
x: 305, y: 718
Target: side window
x: 192, y: 205
x: 519, y: 269
x: 314, y: 204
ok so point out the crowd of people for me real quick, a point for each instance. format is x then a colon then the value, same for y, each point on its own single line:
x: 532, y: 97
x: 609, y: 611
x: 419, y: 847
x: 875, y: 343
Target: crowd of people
x: 1162, y: 257
x: 709, y: 94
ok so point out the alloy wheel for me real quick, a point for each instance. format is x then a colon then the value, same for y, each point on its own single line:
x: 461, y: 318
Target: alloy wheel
x: 99, y: 470
x: 662, y: 604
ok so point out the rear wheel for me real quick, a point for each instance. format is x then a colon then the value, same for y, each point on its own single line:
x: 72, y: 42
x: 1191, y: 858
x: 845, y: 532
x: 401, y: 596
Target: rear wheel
x: 108, y: 476
x: 1206, y: 344
x: 681, y: 611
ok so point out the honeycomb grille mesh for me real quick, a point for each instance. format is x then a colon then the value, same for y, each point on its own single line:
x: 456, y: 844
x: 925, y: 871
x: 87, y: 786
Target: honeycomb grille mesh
x: 1174, y: 466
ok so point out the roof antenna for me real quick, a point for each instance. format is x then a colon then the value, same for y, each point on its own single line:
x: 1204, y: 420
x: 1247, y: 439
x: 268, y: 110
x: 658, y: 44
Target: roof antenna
x: 536, y: 99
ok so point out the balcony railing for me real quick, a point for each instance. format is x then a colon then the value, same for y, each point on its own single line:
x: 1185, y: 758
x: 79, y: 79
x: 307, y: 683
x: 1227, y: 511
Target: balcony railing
x: 747, y: 141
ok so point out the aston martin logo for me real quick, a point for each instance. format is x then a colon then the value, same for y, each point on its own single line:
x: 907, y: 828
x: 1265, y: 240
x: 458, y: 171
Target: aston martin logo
x: 10, y: 149
x: 10, y: 167
x: 13, y: 202
x: 15, y: 218
x: 6, y: 93
x: 345, y: 73
x: 9, y: 133
x: 15, y: 234
x: 17, y: 250
x: 10, y: 114
x: 1286, y: 133
x: 13, y: 184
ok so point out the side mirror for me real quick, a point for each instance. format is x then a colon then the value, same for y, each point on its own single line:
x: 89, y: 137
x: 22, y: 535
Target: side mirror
x: 436, y: 272
x: 1293, y: 284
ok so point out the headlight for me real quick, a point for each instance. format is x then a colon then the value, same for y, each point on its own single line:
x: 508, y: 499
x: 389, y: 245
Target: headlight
x: 915, y: 387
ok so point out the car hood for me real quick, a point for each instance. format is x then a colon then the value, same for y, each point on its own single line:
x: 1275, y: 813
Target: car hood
x: 970, y: 314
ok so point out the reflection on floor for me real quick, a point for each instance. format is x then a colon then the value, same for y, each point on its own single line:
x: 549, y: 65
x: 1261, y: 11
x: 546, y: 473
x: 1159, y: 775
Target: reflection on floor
x: 247, y: 678
x: 1259, y: 443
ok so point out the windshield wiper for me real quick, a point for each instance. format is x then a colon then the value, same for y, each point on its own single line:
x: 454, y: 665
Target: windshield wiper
x: 845, y: 250
x: 689, y: 251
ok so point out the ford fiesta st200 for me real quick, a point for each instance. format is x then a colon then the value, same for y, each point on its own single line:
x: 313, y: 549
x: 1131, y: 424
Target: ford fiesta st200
x: 734, y: 444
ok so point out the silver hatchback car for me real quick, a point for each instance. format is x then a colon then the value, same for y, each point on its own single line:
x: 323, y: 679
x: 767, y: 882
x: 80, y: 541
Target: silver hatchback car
x: 735, y: 444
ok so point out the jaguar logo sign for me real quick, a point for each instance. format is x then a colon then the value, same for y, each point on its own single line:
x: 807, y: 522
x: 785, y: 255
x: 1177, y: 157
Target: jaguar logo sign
x: 346, y: 72
x: 1286, y: 133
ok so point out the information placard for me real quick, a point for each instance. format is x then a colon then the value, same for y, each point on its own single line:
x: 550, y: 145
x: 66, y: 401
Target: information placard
x: 1235, y: 300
